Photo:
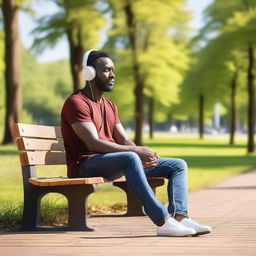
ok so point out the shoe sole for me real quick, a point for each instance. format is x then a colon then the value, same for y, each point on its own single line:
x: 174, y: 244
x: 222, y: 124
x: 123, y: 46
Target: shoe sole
x: 202, y: 233
x: 190, y: 235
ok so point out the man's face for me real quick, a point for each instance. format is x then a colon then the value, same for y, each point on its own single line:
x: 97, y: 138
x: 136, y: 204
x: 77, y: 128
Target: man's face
x: 105, y: 74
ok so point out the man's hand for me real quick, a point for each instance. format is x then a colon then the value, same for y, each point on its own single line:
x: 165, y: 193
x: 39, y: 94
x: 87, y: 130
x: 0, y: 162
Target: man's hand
x: 148, y: 156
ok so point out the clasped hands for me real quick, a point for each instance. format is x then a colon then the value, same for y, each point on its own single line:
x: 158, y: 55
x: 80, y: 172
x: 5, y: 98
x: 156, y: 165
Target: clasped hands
x: 149, y: 157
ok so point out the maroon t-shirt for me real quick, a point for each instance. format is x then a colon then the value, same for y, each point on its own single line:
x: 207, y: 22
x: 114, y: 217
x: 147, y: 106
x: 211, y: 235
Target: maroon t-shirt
x: 79, y: 108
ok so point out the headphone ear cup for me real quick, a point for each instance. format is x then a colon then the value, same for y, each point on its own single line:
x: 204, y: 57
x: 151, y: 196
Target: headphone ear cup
x: 89, y: 73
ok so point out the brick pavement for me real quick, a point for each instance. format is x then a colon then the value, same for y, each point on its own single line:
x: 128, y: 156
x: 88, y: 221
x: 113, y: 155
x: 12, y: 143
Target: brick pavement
x: 229, y: 207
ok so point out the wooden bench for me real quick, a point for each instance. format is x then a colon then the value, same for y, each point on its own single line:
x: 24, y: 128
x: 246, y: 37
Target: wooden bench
x: 43, y: 145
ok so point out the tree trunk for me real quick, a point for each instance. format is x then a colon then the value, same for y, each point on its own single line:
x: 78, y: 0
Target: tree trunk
x: 201, y: 116
x: 233, y: 118
x: 76, y: 51
x: 251, y: 103
x: 151, y: 117
x: 139, y: 111
x: 138, y: 91
x: 13, y: 86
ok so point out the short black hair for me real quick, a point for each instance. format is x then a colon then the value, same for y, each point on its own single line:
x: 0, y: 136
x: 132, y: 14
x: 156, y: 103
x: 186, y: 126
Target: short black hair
x: 95, y: 55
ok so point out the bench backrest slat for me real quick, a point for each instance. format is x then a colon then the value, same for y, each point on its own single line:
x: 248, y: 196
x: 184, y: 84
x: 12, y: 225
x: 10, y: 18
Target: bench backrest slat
x: 25, y: 144
x: 42, y: 158
x: 39, y: 144
x: 37, y: 131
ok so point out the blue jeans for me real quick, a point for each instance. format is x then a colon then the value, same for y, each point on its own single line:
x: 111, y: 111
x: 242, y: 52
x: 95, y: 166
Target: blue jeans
x: 114, y: 165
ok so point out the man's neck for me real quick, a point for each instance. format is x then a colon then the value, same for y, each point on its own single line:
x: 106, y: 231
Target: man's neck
x: 92, y: 93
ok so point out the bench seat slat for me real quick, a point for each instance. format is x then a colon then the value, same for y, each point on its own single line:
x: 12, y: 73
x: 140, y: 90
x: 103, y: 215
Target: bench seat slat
x: 36, y: 131
x: 122, y: 179
x: 63, y: 181
x: 42, y: 158
x: 25, y: 144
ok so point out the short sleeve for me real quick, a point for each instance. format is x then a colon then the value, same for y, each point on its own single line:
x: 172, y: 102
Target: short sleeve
x: 76, y: 110
x: 117, y: 120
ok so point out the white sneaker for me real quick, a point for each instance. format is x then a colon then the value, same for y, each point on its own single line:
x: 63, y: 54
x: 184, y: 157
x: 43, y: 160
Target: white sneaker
x: 172, y: 227
x: 200, y: 229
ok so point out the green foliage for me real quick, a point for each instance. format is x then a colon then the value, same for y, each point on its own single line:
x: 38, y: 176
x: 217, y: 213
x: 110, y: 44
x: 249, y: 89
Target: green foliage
x: 230, y: 27
x: 161, y: 62
x: 78, y: 19
x: 45, y: 88
x: 211, y: 74
x: 10, y: 214
x: 124, y: 85
x: 220, y: 12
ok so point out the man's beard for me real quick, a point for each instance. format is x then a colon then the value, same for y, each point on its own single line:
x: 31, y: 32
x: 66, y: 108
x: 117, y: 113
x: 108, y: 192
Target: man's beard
x: 104, y: 86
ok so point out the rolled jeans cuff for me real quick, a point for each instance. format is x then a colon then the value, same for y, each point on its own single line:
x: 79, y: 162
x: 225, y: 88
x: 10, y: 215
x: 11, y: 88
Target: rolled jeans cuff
x: 185, y: 214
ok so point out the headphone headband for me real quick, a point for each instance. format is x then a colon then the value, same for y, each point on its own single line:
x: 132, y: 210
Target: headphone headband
x: 86, y: 56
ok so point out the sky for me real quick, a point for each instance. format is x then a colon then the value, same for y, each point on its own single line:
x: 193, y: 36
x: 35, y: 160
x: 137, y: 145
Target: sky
x: 60, y: 51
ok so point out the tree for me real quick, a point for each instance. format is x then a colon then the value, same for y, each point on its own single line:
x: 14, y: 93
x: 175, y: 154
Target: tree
x: 214, y: 77
x: 2, y: 84
x: 13, y: 86
x: 238, y: 19
x: 80, y: 21
x: 138, y: 91
x: 233, y: 107
x: 242, y: 26
x: 156, y: 65
x: 196, y: 98
x: 230, y: 28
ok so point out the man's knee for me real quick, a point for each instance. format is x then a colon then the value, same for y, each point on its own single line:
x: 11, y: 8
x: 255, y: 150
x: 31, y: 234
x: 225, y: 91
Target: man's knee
x: 177, y: 164
x: 131, y: 158
x: 182, y: 164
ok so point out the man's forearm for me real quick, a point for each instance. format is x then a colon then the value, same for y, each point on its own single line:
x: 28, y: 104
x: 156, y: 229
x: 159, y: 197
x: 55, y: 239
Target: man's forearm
x: 103, y: 146
x: 147, y: 155
x: 129, y: 142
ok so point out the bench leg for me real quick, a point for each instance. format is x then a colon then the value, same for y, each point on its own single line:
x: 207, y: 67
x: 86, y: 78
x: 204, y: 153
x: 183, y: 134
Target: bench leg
x: 31, y: 210
x: 134, y: 206
x: 32, y: 198
x: 77, y: 200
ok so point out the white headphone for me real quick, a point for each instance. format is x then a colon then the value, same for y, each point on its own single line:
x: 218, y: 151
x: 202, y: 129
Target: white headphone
x: 89, y: 72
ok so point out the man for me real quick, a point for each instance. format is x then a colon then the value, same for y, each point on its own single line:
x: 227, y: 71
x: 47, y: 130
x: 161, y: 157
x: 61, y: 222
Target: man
x: 96, y: 145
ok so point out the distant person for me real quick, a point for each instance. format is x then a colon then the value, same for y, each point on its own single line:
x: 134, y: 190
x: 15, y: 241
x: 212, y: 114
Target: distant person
x: 96, y: 145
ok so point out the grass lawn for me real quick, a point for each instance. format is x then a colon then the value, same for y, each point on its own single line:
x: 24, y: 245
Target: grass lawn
x: 210, y: 161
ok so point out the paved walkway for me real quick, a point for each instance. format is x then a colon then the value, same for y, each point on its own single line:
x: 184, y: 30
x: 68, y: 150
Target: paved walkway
x: 229, y: 207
